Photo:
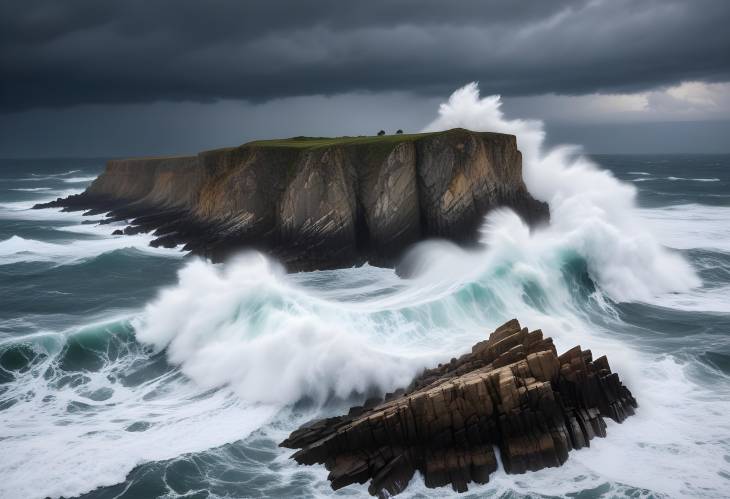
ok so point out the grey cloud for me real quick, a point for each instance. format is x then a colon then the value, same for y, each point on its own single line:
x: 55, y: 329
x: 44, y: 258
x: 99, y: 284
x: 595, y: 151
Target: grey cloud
x: 56, y: 54
x: 189, y: 127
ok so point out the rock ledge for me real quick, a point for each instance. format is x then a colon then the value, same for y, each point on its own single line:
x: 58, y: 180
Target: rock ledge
x: 512, y: 392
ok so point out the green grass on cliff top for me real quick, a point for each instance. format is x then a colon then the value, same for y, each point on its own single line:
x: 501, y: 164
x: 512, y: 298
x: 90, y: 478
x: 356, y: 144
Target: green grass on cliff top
x: 315, y: 142
x: 371, y: 149
x: 385, y: 140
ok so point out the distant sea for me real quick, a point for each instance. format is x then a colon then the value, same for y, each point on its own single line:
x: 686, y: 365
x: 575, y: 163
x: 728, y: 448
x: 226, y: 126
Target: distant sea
x: 128, y: 371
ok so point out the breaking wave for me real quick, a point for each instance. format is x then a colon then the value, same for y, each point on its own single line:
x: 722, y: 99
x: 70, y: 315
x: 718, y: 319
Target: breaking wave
x: 591, y: 211
x: 243, y: 348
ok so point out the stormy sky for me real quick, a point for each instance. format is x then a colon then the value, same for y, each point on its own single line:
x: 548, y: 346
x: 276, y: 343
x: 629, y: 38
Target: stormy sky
x: 103, y: 78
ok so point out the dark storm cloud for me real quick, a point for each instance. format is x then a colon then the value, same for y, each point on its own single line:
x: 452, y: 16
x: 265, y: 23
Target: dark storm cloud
x: 64, y: 53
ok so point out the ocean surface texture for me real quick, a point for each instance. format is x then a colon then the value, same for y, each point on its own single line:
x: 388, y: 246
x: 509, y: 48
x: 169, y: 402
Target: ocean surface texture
x: 128, y: 371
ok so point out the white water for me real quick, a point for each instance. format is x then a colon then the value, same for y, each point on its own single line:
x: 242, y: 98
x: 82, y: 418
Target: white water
x: 675, y: 179
x: 78, y: 180
x: 50, y: 449
x: 23, y: 210
x: 691, y: 226
x: 591, y: 211
x: 99, y: 240
x: 267, y: 340
x: 429, y: 319
x: 17, y: 249
x: 694, y: 226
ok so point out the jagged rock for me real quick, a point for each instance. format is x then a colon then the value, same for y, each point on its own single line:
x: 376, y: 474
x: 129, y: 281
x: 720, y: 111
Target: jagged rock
x: 317, y: 203
x: 512, y: 391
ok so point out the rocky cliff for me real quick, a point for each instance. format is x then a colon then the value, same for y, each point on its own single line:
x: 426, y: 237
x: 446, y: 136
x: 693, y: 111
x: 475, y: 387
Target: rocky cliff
x: 317, y: 202
x: 512, y: 392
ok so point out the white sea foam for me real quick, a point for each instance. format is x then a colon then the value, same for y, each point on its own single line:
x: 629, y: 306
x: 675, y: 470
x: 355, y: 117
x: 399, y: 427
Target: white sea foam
x: 675, y: 179
x: 54, y: 175
x: 713, y: 179
x: 66, y: 438
x: 698, y: 300
x: 72, y: 249
x: 79, y: 180
x: 690, y: 226
x: 242, y: 326
x: 38, y: 177
x: 590, y: 209
x: 23, y: 210
x: 693, y: 226
x: 273, y: 338
x: 17, y: 249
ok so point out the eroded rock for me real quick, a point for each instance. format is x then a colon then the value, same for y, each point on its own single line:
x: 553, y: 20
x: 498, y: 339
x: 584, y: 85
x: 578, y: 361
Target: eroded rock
x: 512, y: 392
x: 316, y: 203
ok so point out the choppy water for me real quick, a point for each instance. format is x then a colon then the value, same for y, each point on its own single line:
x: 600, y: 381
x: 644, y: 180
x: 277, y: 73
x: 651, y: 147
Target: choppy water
x: 127, y: 371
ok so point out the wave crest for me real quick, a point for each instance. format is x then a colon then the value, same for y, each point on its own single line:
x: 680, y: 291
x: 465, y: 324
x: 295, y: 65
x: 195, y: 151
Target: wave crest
x: 242, y: 326
x: 591, y: 211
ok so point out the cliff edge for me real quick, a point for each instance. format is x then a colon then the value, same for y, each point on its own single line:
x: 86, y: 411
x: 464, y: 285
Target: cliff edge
x: 317, y: 202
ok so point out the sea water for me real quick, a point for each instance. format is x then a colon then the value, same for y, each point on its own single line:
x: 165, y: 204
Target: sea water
x: 128, y: 371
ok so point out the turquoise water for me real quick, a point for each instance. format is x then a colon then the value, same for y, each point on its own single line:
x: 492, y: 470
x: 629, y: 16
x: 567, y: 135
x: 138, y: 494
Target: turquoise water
x: 128, y: 371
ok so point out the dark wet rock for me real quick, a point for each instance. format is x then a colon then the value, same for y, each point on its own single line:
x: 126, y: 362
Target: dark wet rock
x: 512, y: 392
x: 317, y: 203
x: 135, y: 229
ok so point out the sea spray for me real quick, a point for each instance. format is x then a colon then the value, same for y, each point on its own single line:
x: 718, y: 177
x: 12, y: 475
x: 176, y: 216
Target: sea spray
x: 590, y: 209
x: 216, y: 331
x: 242, y: 326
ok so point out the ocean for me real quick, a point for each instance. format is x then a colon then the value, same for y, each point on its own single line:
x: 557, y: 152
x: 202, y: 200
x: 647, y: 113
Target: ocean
x: 128, y: 371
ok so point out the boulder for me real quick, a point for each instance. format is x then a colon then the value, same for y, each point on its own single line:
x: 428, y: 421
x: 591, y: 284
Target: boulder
x: 512, y: 392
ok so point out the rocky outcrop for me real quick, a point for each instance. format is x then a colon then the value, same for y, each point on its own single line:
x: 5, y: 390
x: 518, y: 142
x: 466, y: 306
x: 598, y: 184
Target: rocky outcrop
x: 314, y: 202
x: 512, y: 391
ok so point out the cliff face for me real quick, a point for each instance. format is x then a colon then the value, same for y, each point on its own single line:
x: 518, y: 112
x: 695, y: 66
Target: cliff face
x: 317, y: 203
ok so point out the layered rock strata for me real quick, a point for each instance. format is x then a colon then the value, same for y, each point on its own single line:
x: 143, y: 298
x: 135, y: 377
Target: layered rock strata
x: 512, y: 392
x: 313, y: 202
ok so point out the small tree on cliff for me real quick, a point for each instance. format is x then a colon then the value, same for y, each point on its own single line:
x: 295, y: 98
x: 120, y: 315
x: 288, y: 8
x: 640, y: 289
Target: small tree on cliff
x: 399, y: 132
x: 381, y: 132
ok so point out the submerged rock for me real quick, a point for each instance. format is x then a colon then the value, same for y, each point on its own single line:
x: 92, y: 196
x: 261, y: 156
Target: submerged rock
x: 513, y: 392
x: 317, y: 202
